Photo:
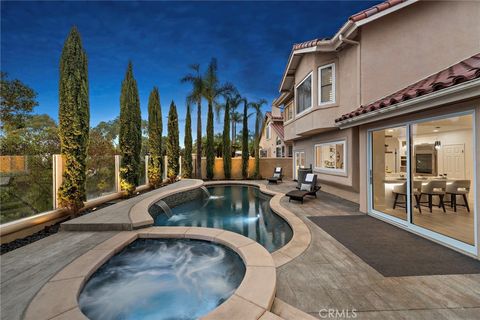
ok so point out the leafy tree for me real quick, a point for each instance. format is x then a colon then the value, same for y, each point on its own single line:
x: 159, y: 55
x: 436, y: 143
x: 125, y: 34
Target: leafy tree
x: 106, y: 131
x: 17, y: 100
x: 227, y: 150
x: 155, y: 138
x: 212, y: 91
x: 195, y: 96
x: 258, y: 114
x: 130, y: 134
x: 74, y: 118
x: 187, y: 154
x: 173, y: 147
x: 245, y: 155
x: 35, y: 137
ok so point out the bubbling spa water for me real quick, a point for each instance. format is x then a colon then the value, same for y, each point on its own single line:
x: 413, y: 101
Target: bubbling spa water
x: 163, y: 279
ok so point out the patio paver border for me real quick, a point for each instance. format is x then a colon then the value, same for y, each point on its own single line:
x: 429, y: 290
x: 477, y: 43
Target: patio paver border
x: 58, y: 298
x: 301, y: 238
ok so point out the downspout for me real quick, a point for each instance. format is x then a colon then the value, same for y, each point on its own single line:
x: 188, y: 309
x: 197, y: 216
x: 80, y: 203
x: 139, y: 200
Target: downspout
x: 356, y: 43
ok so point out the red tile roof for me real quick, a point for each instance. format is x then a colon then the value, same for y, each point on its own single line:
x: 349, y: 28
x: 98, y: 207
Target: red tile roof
x: 466, y: 70
x: 307, y: 44
x: 277, y: 123
x: 374, y: 10
x: 354, y: 18
x: 275, y: 118
x: 278, y: 127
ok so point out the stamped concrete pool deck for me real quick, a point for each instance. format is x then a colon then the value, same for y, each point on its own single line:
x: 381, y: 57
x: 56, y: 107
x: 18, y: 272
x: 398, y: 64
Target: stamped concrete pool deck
x: 117, y: 216
x: 329, y: 276
x: 324, y: 276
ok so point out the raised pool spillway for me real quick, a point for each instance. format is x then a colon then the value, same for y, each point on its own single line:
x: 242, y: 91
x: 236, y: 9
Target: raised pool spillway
x: 241, y: 209
x: 162, y: 279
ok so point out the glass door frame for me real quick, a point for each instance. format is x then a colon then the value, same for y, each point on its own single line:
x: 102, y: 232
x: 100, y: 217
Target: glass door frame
x: 407, y: 224
x: 295, y: 172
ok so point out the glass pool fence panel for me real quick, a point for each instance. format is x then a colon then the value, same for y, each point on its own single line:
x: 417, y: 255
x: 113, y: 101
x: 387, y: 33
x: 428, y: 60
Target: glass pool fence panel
x: 25, y: 186
x: 100, y: 176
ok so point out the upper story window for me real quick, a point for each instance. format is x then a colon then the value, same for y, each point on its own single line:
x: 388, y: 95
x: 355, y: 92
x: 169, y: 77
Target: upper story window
x: 330, y: 156
x: 279, y: 141
x: 303, y: 94
x: 268, y: 132
x: 326, y: 84
x: 288, y: 112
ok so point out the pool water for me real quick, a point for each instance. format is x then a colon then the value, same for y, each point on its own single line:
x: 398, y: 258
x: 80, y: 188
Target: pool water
x: 241, y: 209
x: 162, y: 279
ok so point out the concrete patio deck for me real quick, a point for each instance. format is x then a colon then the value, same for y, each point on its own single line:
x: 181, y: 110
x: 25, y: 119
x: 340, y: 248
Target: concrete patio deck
x: 329, y: 276
x: 326, y: 275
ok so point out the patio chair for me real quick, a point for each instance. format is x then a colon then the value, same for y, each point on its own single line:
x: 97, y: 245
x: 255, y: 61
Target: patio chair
x: 277, y: 175
x: 307, y: 188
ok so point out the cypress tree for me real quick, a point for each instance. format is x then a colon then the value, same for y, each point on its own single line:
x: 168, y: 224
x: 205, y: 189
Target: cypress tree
x: 187, y: 158
x: 74, y: 121
x: 155, y: 139
x: 210, y: 149
x: 227, y: 149
x: 130, y: 138
x: 173, y: 147
x: 245, y: 154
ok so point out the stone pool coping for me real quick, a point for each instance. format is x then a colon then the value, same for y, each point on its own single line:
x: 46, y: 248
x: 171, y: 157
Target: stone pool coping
x: 301, y: 237
x: 58, y: 298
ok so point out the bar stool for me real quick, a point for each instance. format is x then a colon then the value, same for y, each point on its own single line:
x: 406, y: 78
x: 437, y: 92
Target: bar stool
x: 417, y: 193
x: 434, y: 188
x: 400, y: 190
x: 458, y: 188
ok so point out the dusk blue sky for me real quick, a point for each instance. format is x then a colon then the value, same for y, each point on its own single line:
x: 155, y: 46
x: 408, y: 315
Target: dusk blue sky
x: 251, y: 40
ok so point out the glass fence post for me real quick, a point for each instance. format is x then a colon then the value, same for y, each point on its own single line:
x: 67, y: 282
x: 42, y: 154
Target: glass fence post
x: 180, y: 169
x: 118, y: 187
x: 166, y: 168
x: 57, y: 178
x: 147, y: 158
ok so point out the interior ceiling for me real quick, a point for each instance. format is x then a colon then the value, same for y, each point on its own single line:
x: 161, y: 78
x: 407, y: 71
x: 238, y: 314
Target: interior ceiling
x: 436, y: 126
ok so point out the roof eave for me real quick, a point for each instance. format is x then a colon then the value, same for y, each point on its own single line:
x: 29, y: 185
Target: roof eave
x: 464, y: 91
x: 322, y: 46
x: 334, y: 43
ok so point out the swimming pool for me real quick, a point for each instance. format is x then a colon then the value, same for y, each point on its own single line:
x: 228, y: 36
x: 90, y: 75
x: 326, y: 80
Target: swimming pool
x: 237, y: 208
x: 163, y: 279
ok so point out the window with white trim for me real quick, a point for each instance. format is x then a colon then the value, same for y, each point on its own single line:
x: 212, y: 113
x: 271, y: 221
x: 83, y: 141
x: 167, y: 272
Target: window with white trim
x: 303, y: 94
x: 268, y: 132
x: 326, y: 84
x: 331, y: 156
x: 288, y: 112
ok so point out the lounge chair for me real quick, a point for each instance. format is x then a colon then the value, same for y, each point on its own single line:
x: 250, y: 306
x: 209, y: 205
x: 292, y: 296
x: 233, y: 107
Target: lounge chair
x: 307, y: 188
x: 277, y: 175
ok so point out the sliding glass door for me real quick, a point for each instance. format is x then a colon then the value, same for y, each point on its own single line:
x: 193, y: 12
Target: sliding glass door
x: 443, y: 176
x: 422, y: 176
x: 389, y: 171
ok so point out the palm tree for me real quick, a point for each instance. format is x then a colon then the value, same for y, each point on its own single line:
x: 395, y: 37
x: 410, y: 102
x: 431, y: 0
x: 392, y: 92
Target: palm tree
x: 258, y: 114
x: 195, y: 96
x: 212, y: 90
x: 235, y: 117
